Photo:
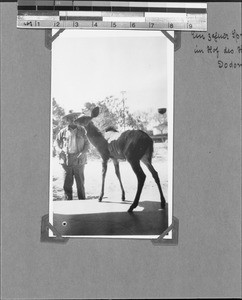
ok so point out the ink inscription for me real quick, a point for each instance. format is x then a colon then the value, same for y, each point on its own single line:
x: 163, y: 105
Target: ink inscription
x: 225, y: 47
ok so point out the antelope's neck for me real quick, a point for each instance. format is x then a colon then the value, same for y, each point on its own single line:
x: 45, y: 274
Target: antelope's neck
x: 94, y: 135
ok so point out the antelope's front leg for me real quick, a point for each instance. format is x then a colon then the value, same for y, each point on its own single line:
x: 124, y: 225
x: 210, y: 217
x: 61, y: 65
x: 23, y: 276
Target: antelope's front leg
x: 104, y: 171
x: 117, y: 171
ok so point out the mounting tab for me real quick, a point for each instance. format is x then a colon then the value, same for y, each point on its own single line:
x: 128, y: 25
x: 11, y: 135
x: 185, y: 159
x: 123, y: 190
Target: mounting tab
x: 161, y: 241
x: 176, y: 40
x: 49, y: 38
x: 45, y: 227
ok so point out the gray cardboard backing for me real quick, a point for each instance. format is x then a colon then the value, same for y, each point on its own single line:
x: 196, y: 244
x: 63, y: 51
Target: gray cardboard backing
x: 207, y: 201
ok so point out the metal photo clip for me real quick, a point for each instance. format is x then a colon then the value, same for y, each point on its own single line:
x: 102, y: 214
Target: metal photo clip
x: 45, y: 227
x: 174, y: 227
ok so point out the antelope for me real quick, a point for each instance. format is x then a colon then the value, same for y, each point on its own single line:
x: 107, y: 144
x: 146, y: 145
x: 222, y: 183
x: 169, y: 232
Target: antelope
x: 131, y: 145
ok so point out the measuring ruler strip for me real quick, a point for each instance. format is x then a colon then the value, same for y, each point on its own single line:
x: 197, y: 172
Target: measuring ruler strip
x: 101, y: 13
x: 106, y: 3
x: 112, y: 14
x: 92, y: 14
x: 124, y: 19
x: 147, y: 21
x: 38, y: 18
x: 112, y: 6
x: 88, y: 24
x: 109, y: 15
x: 129, y: 8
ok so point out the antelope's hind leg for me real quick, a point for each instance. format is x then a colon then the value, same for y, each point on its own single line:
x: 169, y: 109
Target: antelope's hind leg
x: 155, y: 175
x: 141, y: 179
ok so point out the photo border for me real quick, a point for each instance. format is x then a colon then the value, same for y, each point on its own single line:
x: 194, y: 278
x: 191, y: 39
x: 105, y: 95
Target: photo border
x: 175, y: 39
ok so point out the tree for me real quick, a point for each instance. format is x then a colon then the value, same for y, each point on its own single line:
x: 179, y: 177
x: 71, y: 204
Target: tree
x: 114, y: 112
x: 57, y: 114
x: 120, y: 114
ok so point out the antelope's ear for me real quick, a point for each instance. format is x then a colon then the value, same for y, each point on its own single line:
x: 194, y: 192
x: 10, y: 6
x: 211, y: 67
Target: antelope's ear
x: 95, y: 112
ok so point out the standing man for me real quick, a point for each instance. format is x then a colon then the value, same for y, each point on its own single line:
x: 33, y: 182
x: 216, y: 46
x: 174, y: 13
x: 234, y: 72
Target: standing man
x: 72, y: 146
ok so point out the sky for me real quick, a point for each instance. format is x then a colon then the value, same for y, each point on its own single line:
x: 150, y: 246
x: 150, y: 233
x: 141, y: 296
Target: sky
x: 88, y: 66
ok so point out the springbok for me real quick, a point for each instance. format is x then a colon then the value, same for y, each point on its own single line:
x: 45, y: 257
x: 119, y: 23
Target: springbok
x: 132, y: 145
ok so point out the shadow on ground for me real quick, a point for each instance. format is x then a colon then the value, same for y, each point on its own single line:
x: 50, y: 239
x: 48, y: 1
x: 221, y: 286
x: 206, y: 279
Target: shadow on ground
x: 150, y: 221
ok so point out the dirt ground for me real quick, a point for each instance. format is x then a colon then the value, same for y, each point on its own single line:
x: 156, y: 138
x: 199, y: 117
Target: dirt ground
x: 93, y: 171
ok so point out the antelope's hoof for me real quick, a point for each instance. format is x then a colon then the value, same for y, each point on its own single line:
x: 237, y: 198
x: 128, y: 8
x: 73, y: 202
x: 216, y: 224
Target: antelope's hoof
x: 123, y: 198
x: 163, y: 205
x: 100, y: 199
x: 132, y: 207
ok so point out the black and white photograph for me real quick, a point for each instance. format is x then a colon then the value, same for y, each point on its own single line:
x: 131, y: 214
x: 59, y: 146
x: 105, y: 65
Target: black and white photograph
x: 111, y: 139
x: 120, y: 149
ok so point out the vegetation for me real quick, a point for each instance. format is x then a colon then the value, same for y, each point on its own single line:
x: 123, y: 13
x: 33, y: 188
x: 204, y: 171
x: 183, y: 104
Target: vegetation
x: 113, y: 112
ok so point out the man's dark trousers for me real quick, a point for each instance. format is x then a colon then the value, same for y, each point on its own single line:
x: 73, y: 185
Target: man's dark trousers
x: 71, y: 171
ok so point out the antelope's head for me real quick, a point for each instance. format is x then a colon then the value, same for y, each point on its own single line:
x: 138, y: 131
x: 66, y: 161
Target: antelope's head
x: 85, y: 120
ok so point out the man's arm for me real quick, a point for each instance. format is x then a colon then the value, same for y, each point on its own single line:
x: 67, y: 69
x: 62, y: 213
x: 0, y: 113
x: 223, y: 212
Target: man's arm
x: 86, y: 146
x: 59, y: 146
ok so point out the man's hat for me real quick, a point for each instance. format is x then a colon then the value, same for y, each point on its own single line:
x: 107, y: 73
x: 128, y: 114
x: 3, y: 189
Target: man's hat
x: 72, y: 115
